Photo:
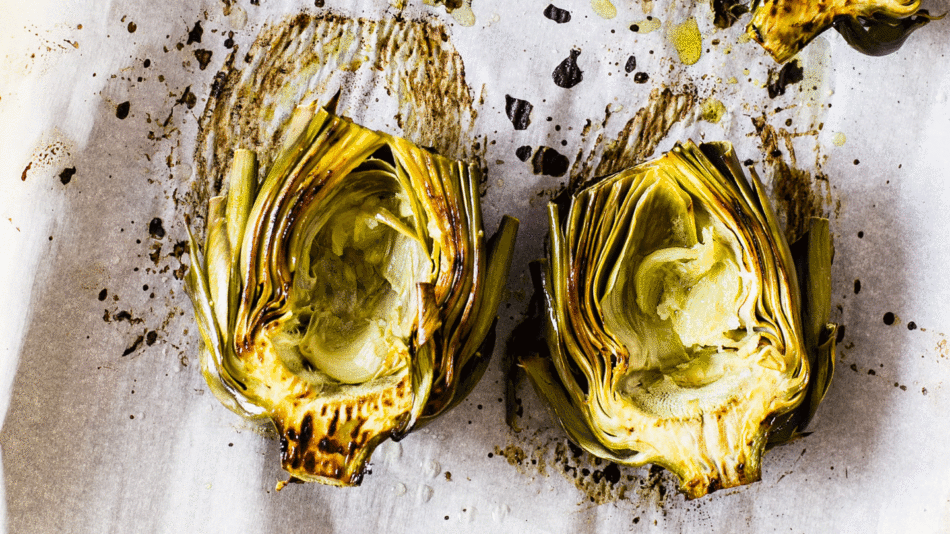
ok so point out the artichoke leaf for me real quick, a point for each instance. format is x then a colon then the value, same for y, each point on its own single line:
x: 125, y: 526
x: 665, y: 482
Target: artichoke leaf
x: 876, y: 27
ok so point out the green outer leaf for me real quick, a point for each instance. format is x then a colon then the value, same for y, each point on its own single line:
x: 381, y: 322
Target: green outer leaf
x: 218, y: 261
x: 813, y: 255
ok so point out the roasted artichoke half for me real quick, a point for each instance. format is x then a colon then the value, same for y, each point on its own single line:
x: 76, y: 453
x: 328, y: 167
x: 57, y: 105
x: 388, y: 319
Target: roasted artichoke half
x: 349, y: 298
x: 677, y: 329
x: 875, y: 27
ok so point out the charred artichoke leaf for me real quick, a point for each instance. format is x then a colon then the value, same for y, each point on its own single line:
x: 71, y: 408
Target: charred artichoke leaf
x: 876, y: 27
x: 349, y: 297
x: 674, y: 319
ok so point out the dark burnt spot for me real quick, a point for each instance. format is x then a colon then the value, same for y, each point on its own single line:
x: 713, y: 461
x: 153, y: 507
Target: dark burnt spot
x: 889, y: 318
x: 523, y: 152
x: 121, y: 111
x: 872, y: 372
x: 557, y: 14
x: 319, y: 3
x: 156, y: 229
x: 912, y: 325
x: 133, y: 347
x: 854, y: 367
x: 218, y: 85
x: 641, y: 77
x: 575, y: 450
x: 188, y: 98
x: 194, y: 36
x: 631, y: 64
x: 518, y: 111
x: 26, y: 170
x: 151, y: 337
x: 857, y: 286
x: 328, y: 446
x: 132, y: 27
x: 292, y: 434
x: 634, y: 27
x: 790, y: 73
x: 103, y: 294
x: 310, y: 462
x: 549, y: 162
x: 67, y: 175
x: 306, y: 431
x: 147, y: 63
x: 612, y: 473
x: 567, y: 74
x: 204, y: 57
x: 839, y: 336
x: 331, y: 429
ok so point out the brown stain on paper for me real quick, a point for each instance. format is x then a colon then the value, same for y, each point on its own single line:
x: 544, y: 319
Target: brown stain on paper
x: 305, y: 58
x: 797, y: 194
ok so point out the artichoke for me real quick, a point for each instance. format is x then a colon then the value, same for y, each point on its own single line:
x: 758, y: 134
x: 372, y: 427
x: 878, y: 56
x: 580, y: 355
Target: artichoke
x: 351, y: 297
x: 875, y: 27
x: 677, y: 331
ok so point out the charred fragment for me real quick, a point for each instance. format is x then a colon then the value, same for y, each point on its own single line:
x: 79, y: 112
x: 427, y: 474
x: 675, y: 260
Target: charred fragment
x: 518, y: 111
x: 567, y: 74
x: 790, y: 73
x: 557, y: 14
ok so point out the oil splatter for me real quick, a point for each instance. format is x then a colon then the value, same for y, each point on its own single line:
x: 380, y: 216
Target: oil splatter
x: 134, y: 346
x: 839, y: 139
x: 643, y: 132
x: 648, y: 25
x: 687, y: 41
x: 307, y: 58
x: 132, y: 27
x: 518, y: 111
x: 567, y: 74
x: 26, y: 170
x: 889, y: 318
x: 631, y: 64
x: 604, y: 8
x: 549, y: 162
x: 789, y: 74
x: 857, y: 286
x: 641, y: 77
x: 203, y: 57
x: 156, y: 229
x: 194, y: 36
x: 557, y: 14
x: 713, y: 110
x: 67, y: 175
x: 122, y: 110
x: 795, y: 189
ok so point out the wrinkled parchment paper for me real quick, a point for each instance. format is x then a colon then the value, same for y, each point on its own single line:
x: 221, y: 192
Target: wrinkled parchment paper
x: 107, y: 425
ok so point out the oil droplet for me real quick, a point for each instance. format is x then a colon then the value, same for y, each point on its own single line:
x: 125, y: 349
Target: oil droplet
x: 839, y: 139
x: 431, y: 469
x: 500, y: 512
x: 745, y: 37
x: 732, y: 79
x: 713, y: 110
x: 687, y: 40
x: 464, y: 15
x: 604, y: 8
x: 399, y: 488
x: 389, y: 452
x: 745, y: 72
x: 423, y: 494
x: 238, y: 17
x: 651, y: 24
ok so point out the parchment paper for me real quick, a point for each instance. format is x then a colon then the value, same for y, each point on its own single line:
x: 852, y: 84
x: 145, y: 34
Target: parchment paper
x: 107, y: 425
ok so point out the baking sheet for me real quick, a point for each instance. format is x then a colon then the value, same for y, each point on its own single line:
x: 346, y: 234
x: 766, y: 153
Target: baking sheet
x: 107, y: 425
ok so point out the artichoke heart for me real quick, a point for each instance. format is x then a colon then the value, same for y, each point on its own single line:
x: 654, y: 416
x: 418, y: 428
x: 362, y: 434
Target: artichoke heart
x: 351, y: 296
x: 874, y: 27
x: 677, y: 330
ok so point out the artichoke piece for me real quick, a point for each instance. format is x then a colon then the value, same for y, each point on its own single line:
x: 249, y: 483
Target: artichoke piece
x: 352, y: 297
x: 875, y: 27
x: 677, y: 331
